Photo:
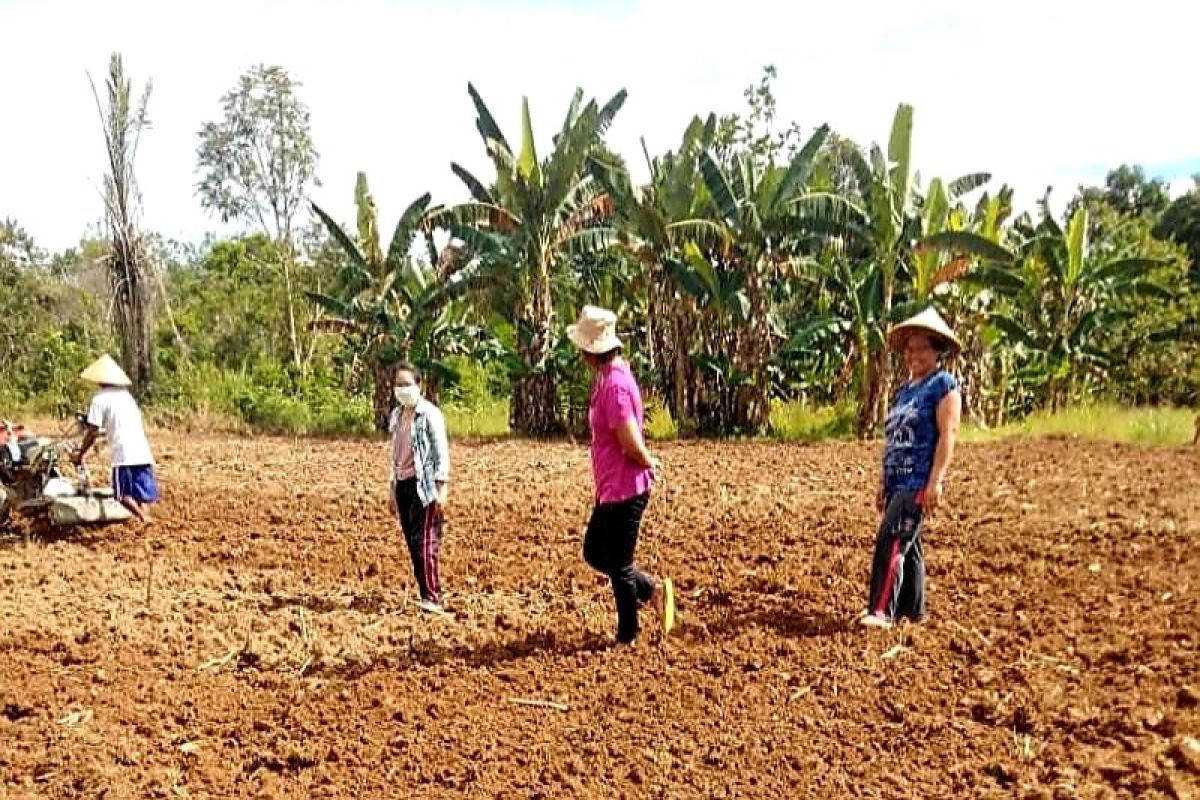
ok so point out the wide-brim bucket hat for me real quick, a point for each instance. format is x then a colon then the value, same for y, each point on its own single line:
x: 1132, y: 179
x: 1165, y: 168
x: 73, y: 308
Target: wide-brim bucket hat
x: 595, y: 331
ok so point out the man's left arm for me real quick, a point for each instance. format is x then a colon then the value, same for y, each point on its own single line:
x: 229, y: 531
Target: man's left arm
x: 89, y: 439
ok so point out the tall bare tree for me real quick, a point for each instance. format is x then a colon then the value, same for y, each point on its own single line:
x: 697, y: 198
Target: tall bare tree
x: 128, y: 256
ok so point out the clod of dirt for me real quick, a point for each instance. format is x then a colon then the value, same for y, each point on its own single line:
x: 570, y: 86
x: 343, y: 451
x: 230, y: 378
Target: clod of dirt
x: 1001, y: 773
x: 1187, y: 752
x: 1177, y: 786
x: 15, y: 712
x: 1113, y: 769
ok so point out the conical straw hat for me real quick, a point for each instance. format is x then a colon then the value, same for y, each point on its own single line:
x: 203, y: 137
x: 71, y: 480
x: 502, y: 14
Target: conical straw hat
x: 106, y: 372
x: 928, y: 321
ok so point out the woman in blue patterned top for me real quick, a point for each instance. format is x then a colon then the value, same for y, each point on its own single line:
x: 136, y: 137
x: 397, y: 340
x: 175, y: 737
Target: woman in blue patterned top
x: 919, y: 439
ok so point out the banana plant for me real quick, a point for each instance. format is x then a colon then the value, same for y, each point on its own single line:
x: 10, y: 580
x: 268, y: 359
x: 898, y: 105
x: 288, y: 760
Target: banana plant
x: 772, y: 221
x: 718, y: 295
x: 947, y: 247
x: 533, y: 216
x: 915, y: 243
x: 389, y: 307
x: 985, y: 366
x: 656, y: 221
x: 845, y: 329
x: 885, y: 184
x: 1061, y: 294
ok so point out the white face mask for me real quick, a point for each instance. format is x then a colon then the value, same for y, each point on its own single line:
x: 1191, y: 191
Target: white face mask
x: 407, y: 395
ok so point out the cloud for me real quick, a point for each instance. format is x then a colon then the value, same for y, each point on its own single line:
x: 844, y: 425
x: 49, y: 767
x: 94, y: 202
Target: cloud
x: 1036, y: 93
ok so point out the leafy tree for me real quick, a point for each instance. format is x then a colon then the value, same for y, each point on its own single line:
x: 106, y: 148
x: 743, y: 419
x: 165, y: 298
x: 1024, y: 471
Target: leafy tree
x: 256, y: 165
x: 753, y: 133
x: 49, y: 328
x: 228, y: 305
x: 1127, y: 189
x: 17, y: 248
x: 1180, y: 222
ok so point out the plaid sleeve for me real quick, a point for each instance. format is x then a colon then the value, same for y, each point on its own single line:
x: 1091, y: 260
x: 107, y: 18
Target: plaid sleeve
x: 440, y: 445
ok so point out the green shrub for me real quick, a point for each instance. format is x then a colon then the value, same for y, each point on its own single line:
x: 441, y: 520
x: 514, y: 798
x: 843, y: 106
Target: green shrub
x: 796, y: 421
x: 659, y: 424
x: 1146, y: 425
x: 484, y: 418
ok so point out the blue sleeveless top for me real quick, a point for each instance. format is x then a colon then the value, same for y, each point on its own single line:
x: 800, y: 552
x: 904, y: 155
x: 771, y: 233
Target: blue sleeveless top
x: 911, y: 432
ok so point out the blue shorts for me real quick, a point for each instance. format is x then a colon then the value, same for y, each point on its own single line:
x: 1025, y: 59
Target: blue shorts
x: 135, y: 482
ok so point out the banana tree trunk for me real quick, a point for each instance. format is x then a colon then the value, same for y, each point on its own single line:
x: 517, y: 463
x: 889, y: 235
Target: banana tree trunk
x: 999, y: 417
x: 535, y: 406
x: 873, y: 375
x: 752, y: 411
x: 659, y: 336
x: 868, y: 392
x: 683, y: 387
x: 671, y: 339
x: 971, y: 367
x: 877, y: 389
x: 845, y: 377
x: 535, y: 410
x: 381, y: 373
x: 884, y: 390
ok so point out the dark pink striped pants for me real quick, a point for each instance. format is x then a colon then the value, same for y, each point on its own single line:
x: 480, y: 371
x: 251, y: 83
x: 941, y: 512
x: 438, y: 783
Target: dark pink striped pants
x: 898, y: 569
x: 422, y: 527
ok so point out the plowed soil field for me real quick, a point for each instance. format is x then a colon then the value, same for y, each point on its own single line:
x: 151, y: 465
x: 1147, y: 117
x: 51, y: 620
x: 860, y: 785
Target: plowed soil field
x: 260, y: 640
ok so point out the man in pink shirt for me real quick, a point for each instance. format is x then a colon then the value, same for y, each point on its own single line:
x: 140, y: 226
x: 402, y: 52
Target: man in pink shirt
x: 624, y: 473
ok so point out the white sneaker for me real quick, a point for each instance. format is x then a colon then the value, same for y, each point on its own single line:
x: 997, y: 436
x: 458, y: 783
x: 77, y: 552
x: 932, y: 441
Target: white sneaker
x: 874, y: 621
x: 430, y: 607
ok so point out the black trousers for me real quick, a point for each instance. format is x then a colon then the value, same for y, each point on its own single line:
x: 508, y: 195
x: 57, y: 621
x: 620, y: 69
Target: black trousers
x: 422, y: 527
x: 608, y: 547
x: 898, y: 569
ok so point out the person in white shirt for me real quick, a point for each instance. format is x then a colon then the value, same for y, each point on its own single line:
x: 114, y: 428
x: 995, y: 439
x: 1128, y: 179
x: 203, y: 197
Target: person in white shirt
x: 114, y: 411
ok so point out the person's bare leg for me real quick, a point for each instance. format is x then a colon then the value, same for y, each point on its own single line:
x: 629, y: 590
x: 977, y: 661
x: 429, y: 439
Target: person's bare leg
x: 137, y: 508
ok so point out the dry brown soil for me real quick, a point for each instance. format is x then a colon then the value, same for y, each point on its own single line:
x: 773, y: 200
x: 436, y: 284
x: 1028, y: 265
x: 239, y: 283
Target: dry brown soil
x: 259, y: 640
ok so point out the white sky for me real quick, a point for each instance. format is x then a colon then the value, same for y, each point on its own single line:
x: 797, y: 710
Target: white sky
x: 1037, y: 93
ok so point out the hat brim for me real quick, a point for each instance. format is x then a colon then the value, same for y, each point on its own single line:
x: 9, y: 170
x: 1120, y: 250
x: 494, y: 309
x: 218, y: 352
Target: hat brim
x: 106, y: 374
x: 596, y: 346
x: 112, y: 380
